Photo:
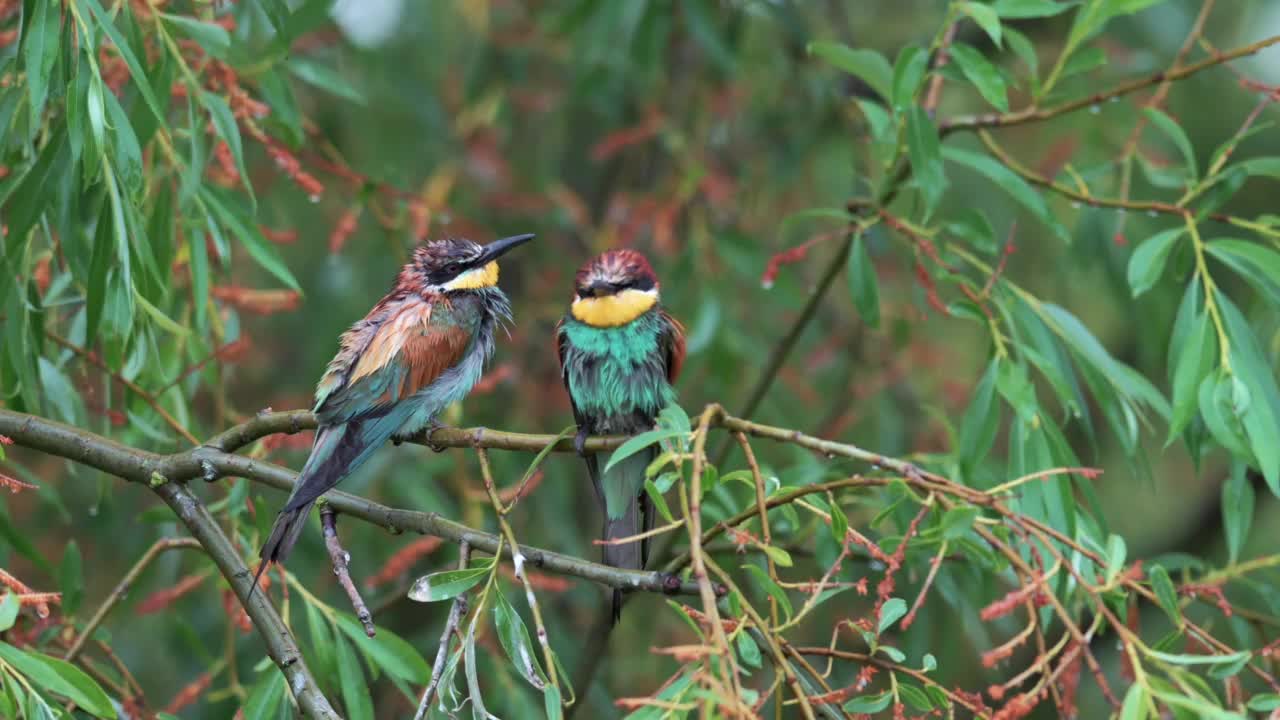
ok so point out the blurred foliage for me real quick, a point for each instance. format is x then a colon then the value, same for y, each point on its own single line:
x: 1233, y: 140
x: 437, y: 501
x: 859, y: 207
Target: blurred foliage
x: 198, y: 198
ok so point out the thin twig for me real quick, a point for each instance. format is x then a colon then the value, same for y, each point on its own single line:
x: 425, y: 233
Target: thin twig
x: 456, y: 613
x: 691, y: 505
x: 1034, y: 114
x: 122, y: 588
x: 133, y: 387
x: 341, y: 560
x: 540, y: 630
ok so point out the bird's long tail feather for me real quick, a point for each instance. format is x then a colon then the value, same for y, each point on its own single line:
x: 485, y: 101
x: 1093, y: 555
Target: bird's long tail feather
x: 628, y: 512
x: 338, y: 450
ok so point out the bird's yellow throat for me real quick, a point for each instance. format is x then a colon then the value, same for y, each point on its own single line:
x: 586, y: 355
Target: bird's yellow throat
x: 475, y: 278
x: 614, y: 310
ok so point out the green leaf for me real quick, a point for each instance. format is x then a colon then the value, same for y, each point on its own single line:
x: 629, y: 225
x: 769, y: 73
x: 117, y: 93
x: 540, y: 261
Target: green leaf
x: 863, y: 284
x: 551, y: 703
x: 39, y: 51
x: 1174, y: 132
x: 929, y: 663
x: 71, y: 578
x: 9, y: 608
x: 386, y: 649
x: 908, y: 73
x: 1148, y: 261
x: 1135, y: 703
x: 1195, y: 359
x: 1116, y: 555
x: 869, y: 65
x: 1008, y: 181
x: 1096, y: 13
x: 1188, y: 659
x: 355, y: 690
x: 925, y: 150
x: 60, y: 677
x: 213, y: 38
x: 324, y: 78
x: 515, y: 641
x: 778, y: 555
x: 869, y: 704
x: 892, y: 610
x: 136, y: 69
x: 1264, y: 702
x: 981, y: 420
x: 748, y: 650
x: 957, y: 521
x: 839, y: 523
x: 1022, y: 9
x: 266, y: 697
x: 1166, y: 595
x: 1237, y: 510
x: 263, y: 252
x: 915, y: 697
x: 659, y: 501
x: 1082, y: 342
x: 1235, y: 253
x: 986, y: 17
x: 985, y: 77
x: 770, y: 587
x: 1218, y: 407
x: 449, y: 584
x: 224, y: 122
x: 971, y: 224
x: 1082, y: 61
x: 638, y: 443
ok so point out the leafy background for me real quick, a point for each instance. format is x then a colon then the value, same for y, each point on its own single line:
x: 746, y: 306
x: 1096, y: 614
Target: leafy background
x: 726, y: 140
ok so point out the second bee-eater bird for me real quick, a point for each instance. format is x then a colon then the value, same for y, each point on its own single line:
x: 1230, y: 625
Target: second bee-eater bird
x: 620, y: 353
x: 420, y: 349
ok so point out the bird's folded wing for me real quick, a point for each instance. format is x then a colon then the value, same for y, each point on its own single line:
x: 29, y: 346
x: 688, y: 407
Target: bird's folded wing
x: 403, y: 354
x: 672, y: 344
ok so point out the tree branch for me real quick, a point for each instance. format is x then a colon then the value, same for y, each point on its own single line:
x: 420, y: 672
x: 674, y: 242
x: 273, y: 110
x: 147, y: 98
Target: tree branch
x: 1034, y: 114
x: 118, y: 593
x: 210, y: 463
x: 341, y: 560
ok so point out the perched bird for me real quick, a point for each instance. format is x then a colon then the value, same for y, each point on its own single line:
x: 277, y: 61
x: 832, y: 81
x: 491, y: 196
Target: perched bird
x: 421, y: 348
x: 620, y: 352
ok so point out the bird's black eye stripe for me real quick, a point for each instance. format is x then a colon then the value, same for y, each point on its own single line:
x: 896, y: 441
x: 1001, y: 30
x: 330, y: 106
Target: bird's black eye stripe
x: 642, y: 283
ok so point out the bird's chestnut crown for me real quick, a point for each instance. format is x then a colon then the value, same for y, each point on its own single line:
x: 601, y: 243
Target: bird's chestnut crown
x: 614, y: 288
x: 454, y: 264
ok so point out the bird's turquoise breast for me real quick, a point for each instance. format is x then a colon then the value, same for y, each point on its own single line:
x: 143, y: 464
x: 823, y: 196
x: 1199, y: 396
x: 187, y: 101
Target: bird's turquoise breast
x: 617, y: 370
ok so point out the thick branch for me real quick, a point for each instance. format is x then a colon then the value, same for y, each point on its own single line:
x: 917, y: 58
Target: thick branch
x: 210, y: 463
x: 280, y: 643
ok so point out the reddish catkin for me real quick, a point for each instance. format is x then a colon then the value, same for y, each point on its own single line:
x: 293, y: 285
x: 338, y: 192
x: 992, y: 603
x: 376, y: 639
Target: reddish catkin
x: 231, y: 606
x: 1209, y: 593
x: 162, y: 599
x: 1069, y: 680
x: 189, y: 694
x: 14, y: 485
x: 6, y: 440
x: 404, y: 559
x: 344, y: 228
x: 1008, y: 603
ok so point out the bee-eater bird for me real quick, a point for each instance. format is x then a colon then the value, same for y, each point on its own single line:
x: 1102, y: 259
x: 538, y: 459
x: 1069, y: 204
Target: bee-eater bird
x: 620, y: 353
x: 420, y: 349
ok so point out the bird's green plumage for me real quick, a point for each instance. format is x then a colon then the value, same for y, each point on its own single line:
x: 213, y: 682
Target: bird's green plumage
x: 618, y: 370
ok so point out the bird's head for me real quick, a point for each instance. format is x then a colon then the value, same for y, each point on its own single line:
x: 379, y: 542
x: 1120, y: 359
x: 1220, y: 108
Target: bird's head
x: 614, y: 288
x: 459, y: 264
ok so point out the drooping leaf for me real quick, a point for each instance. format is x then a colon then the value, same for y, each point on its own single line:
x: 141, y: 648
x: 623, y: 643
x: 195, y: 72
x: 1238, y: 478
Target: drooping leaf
x: 984, y: 76
x: 925, y: 150
x: 1148, y: 261
x: 866, y: 64
x: 863, y: 284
